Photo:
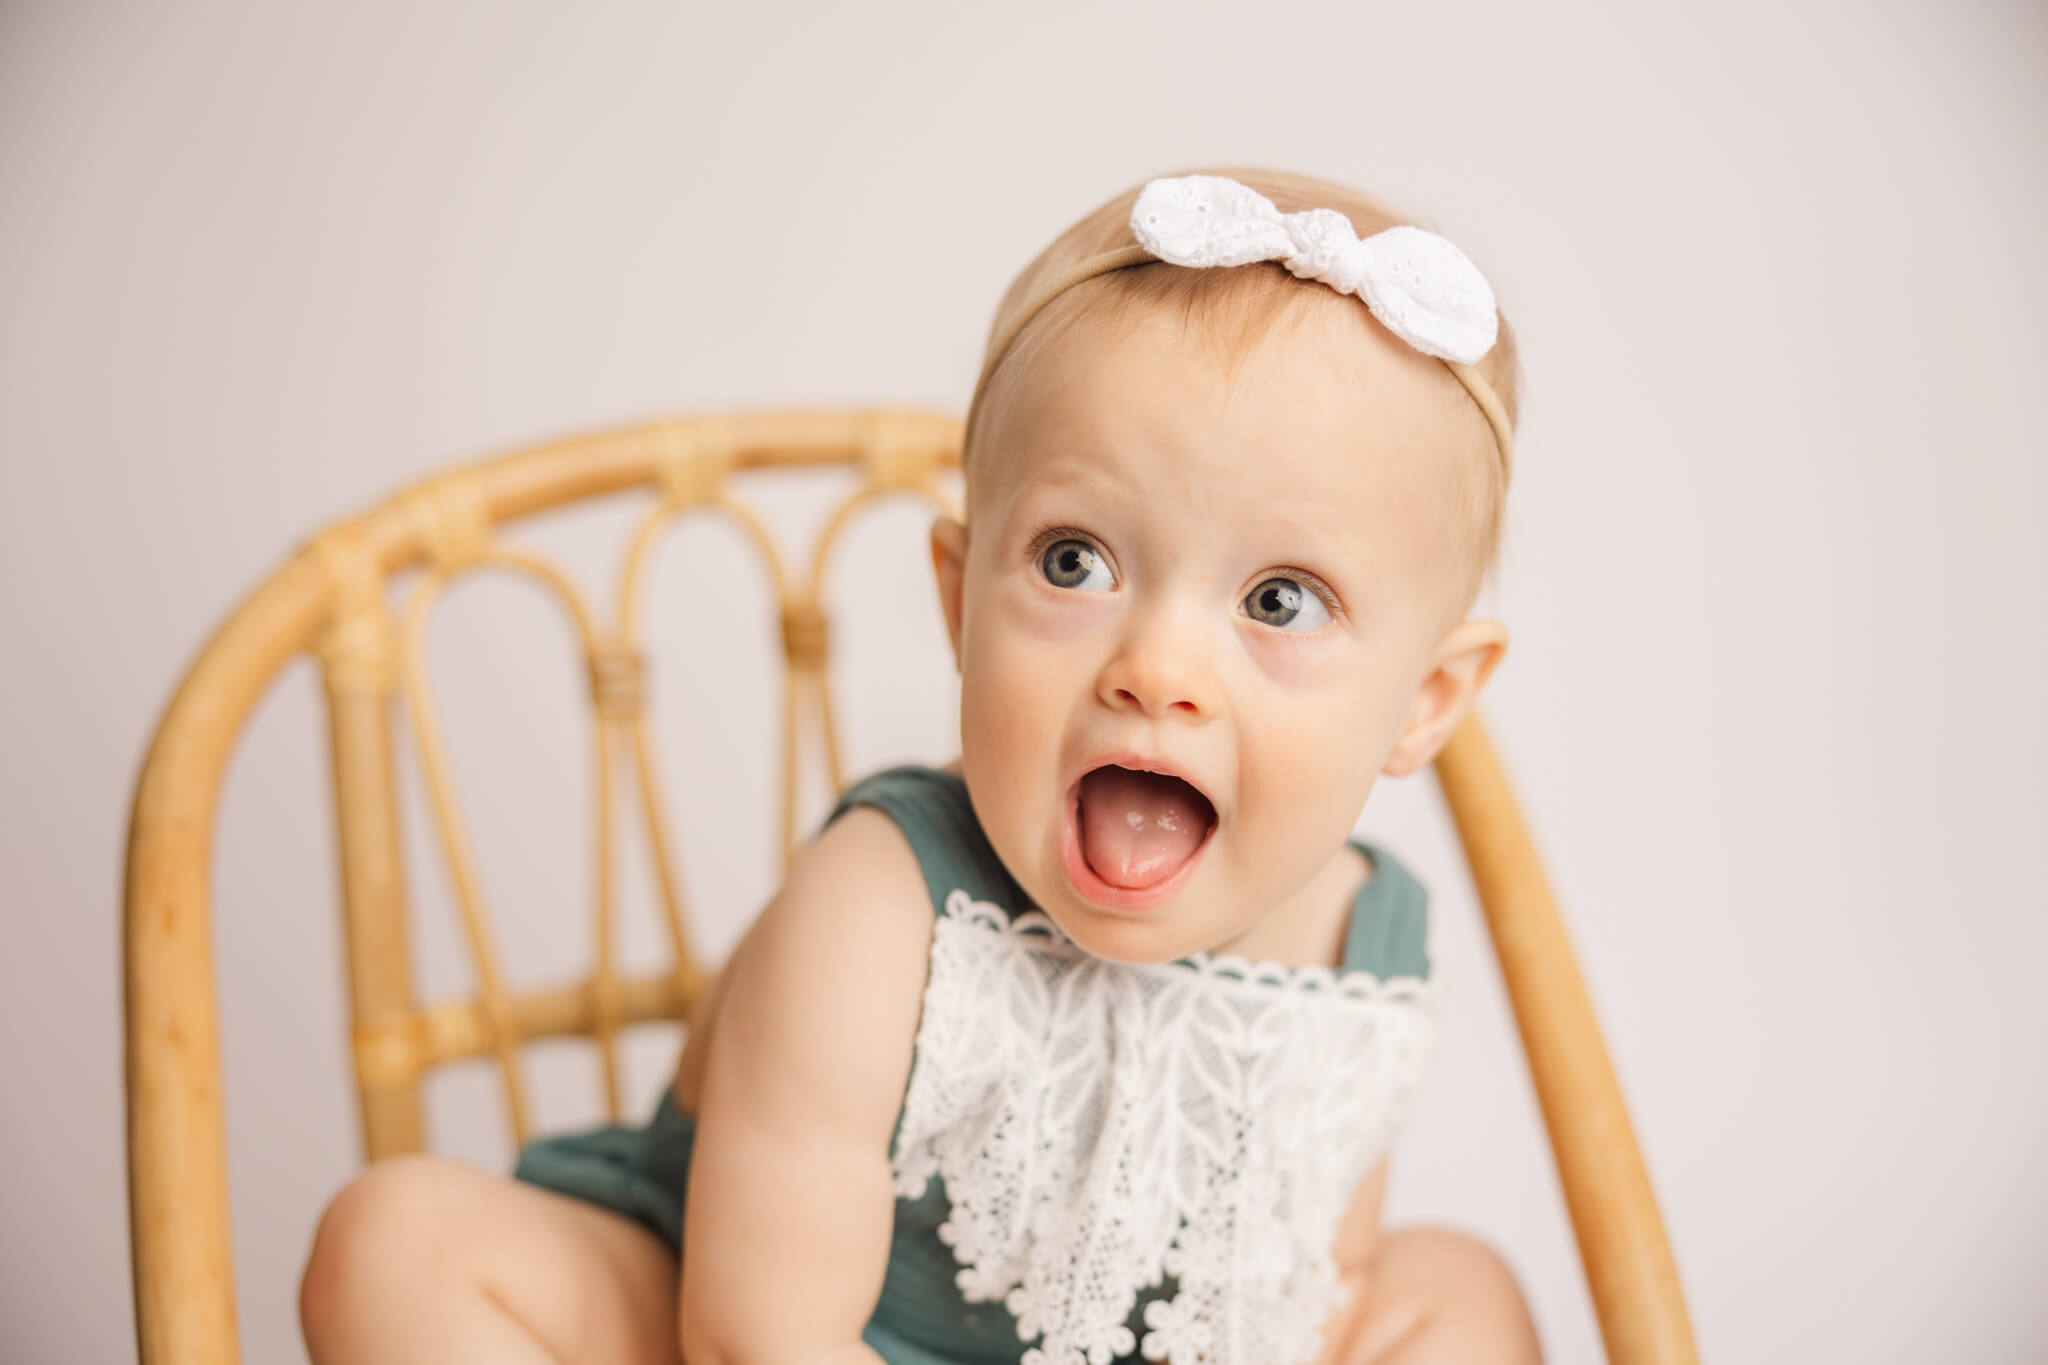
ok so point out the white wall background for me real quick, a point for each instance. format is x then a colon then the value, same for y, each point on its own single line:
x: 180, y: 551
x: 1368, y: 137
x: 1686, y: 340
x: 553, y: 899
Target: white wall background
x: 1775, y: 572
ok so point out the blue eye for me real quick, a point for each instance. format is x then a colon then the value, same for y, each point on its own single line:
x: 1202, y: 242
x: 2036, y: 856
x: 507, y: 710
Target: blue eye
x: 1075, y: 564
x: 1285, y: 605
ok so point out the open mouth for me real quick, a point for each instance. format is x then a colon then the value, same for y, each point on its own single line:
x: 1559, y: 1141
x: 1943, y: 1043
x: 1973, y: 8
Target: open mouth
x: 1134, y: 835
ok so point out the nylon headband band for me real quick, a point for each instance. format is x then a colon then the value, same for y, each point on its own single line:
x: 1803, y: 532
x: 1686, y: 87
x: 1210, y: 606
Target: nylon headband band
x: 1474, y: 382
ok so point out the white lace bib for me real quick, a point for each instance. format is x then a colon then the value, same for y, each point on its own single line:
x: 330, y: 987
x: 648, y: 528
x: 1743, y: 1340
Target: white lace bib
x: 1100, y: 1126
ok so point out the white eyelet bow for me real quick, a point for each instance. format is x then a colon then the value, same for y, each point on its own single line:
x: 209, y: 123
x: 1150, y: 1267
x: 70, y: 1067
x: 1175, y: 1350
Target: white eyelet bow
x: 1423, y: 288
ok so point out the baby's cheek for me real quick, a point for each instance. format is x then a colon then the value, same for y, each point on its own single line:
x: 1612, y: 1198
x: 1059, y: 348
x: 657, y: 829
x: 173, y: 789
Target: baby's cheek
x: 1028, y: 649
x: 1010, y: 703
x: 1300, y: 664
x: 1010, y: 740
x: 1029, y: 614
x: 1315, y: 758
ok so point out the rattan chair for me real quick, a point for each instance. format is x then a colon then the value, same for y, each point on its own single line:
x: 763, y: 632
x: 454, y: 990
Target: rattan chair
x: 331, y: 599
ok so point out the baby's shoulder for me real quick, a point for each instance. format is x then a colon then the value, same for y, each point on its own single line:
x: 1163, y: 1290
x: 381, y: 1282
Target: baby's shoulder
x: 837, y: 957
x: 859, y: 894
x: 853, y: 896
x: 934, y: 815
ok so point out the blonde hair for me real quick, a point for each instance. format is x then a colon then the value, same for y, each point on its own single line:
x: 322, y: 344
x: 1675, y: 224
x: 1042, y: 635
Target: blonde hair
x: 1236, y: 307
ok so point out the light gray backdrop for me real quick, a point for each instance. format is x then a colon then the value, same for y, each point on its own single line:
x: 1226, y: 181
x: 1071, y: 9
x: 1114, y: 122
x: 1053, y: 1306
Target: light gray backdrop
x: 1774, y: 575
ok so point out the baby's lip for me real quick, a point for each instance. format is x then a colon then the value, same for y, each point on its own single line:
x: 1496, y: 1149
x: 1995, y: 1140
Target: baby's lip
x: 1144, y: 763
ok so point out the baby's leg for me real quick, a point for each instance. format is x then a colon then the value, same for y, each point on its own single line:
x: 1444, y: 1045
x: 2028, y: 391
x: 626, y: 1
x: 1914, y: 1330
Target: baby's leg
x: 1429, y: 1296
x: 425, y: 1259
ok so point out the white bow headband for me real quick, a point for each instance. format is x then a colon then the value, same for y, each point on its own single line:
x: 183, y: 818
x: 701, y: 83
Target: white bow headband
x: 1425, y: 290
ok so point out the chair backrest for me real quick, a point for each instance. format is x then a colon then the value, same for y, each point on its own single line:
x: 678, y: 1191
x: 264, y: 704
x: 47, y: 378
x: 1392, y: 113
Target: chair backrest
x: 332, y: 599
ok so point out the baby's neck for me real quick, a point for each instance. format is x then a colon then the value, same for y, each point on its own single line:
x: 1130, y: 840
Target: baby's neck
x: 1308, y: 930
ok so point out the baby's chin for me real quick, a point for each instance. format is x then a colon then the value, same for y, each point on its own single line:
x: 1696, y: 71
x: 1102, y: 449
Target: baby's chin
x: 1134, y: 944
x: 1166, y: 932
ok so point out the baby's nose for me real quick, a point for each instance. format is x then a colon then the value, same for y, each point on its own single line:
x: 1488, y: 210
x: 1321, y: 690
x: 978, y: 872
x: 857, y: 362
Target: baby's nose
x: 1159, y: 672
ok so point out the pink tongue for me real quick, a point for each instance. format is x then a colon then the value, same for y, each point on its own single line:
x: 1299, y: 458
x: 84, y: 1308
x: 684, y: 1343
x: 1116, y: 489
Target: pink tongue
x: 1138, y: 828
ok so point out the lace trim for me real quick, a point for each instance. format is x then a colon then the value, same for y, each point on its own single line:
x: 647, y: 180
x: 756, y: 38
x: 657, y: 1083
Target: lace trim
x: 1102, y: 1126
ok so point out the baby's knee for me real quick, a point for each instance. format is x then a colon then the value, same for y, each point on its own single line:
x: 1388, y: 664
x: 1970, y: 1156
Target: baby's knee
x: 395, y: 1223
x: 1443, y: 1295
x: 1446, y: 1257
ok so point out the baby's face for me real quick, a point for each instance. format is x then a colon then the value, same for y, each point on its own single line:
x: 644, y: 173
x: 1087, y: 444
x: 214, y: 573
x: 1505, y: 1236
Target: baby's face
x: 1195, y: 616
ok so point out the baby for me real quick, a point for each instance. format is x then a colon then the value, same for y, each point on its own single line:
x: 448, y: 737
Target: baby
x: 1089, y: 1046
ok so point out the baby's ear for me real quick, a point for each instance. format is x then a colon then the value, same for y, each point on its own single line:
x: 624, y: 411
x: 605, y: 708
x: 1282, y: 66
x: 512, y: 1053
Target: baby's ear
x: 949, y: 565
x: 1464, y: 659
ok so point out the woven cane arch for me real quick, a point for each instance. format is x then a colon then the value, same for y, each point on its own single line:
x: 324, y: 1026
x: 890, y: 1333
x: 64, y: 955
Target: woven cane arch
x: 332, y: 600
x: 691, y: 467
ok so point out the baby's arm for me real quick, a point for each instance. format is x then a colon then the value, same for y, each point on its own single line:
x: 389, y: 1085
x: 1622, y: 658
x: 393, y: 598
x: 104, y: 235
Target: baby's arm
x: 791, y: 1206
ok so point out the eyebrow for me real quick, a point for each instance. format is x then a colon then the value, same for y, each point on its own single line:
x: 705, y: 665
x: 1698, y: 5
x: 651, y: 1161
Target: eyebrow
x: 1061, y: 472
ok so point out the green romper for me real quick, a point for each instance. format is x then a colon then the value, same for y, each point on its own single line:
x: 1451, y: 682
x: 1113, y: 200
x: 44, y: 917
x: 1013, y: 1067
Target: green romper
x: 922, y: 1317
